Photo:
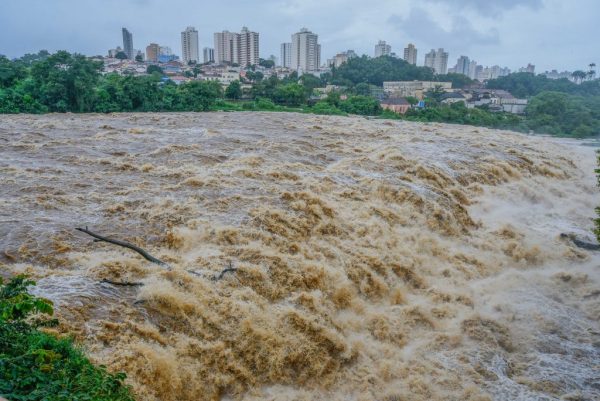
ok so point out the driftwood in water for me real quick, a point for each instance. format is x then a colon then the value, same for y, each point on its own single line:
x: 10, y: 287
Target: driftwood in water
x: 100, y: 238
x: 229, y: 269
x: 122, y: 283
x: 579, y: 243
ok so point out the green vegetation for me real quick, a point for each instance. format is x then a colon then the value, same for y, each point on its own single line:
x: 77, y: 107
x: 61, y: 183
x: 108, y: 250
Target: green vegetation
x: 525, y: 85
x: 234, y: 90
x: 458, y: 113
x: 375, y: 71
x: 35, y: 365
x: 563, y: 114
x: 64, y: 82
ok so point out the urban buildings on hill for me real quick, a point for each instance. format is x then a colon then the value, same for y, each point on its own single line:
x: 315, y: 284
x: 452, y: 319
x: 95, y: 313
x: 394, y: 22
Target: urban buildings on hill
x: 302, y: 54
x: 237, y: 48
x: 128, y: 44
x: 382, y: 49
x: 471, y: 69
x: 189, y: 45
x: 410, y: 54
x: 438, y: 60
x: 305, y: 51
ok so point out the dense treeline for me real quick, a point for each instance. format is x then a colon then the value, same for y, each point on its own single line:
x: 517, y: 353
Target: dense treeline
x: 524, y: 85
x: 63, y: 82
x: 556, y: 106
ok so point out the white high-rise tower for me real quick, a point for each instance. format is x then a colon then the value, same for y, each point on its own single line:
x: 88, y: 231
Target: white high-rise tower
x: 305, y: 51
x: 189, y: 45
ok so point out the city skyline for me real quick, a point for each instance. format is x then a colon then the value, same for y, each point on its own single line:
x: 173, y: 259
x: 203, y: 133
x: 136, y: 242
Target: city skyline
x: 518, y: 33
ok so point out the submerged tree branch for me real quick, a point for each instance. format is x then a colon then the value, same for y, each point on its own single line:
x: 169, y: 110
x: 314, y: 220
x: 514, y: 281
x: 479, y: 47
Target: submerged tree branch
x: 121, y: 283
x: 100, y: 238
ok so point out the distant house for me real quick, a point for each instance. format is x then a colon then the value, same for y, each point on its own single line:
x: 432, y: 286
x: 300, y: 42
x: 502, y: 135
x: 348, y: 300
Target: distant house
x: 396, y: 89
x: 452, y: 97
x: 497, y: 100
x: 397, y: 105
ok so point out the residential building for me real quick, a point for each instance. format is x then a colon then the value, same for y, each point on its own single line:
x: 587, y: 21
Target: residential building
x: 497, y: 100
x: 397, y: 104
x: 438, y: 60
x: 472, y: 69
x: 190, y: 52
x: 237, y: 48
x: 410, y: 54
x: 165, y: 55
x: 209, y: 55
x: 396, y: 89
x: 112, y: 53
x: 382, y: 49
x: 453, y: 97
x: 305, y: 51
x: 341, y: 58
x: 248, y: 48
x: 463, y: 64
x: 139, y: 55
x: 227, y: 47
x: 286, y: 55
x: 128, y: 43
x: 152, y: 52
x: 530, y: 69
x: 554, y: 74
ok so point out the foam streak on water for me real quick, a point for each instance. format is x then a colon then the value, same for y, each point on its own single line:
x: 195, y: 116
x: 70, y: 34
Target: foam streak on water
x: 376, y: 260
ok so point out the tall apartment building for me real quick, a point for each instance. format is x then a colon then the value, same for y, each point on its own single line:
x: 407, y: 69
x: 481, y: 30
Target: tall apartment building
x: 463, y: 65
x: 286, y: 55
x: 227, y: 47
x: 472, y: 69
x: 438, y: 60
x: 410, y: 54
x: 248, y: 47
x: 152, y: 52
x: 237, y: 48
x: 209, y: 55
x: 305, y: 51
x: 189, y: 45
x: 128, y: 44
x: 382, y: 49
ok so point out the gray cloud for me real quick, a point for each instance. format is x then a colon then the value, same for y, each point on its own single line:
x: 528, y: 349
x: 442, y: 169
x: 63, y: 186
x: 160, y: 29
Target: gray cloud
x: 491, y: 7
x: 506, y: 32
x: 461, y: 36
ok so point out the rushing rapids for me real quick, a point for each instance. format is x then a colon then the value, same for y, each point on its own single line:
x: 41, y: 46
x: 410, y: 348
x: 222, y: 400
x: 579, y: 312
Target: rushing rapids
x: 376, y: 260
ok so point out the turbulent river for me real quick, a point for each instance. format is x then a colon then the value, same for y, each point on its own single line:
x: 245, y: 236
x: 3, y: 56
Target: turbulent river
x: 373, y: 260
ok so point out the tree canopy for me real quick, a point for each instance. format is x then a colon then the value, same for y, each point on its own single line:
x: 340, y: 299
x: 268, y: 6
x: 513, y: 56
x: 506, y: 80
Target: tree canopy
x: 375, y: 71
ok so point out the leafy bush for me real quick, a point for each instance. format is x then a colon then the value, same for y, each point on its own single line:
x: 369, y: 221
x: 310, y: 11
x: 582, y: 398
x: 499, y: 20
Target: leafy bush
x: 327, y: 108
x: 35, y: 365
x: 265, y: 104
x: 363, y: 105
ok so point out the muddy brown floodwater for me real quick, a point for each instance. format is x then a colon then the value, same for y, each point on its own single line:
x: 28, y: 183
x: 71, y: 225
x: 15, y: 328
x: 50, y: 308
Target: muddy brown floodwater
x: 377, y: 260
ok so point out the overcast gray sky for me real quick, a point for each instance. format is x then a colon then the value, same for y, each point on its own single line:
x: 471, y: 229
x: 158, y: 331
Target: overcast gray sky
x: 552, y: 34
